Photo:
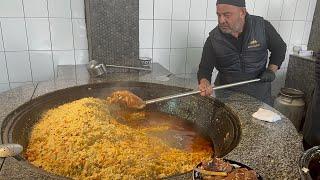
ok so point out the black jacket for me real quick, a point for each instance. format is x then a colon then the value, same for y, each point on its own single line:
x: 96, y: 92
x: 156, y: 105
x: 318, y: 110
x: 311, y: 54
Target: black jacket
x: 258, y: 36
x: 250, y: 58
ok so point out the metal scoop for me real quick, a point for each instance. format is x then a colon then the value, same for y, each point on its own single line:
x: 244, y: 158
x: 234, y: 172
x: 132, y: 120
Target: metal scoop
x: 97, y: 70
x: 133, y: 101
x: 9, y: 150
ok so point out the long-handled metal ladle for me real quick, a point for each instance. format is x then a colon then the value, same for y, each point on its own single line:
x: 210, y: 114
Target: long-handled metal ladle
x: 198, y: 91
x: 140, y: 104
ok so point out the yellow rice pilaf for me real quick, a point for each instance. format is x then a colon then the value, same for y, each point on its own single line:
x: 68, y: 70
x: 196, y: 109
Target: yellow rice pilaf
x: 81, y: 140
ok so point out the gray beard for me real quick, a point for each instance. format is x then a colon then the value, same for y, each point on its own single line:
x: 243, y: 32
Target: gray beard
x: 228, y: 31
x: 236, y: 29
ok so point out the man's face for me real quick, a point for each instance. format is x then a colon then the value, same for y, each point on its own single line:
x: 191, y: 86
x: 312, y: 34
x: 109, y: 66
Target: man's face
x: 230, y: 18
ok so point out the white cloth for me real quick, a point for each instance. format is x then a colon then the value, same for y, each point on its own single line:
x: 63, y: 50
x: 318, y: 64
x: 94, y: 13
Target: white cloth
x: 266, y: 115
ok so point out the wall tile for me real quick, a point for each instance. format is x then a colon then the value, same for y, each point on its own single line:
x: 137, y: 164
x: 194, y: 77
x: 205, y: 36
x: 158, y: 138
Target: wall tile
x: 11, y: 8
x: 80, y: 34
x: 145, y: 9
x: 32, y: 33
x: 297, y: 32
x: 261, y: 8
x: 1, y: 42
x: 198, y: 10
x: 41, y: 65
x: 38, y: 34
x: 162, y: 9
x: 3, y: 69
x: 279, y: 82
x: 193, y: 59
x: 17, y: 84
x: 285, y: 30
x: 61, y: 34
x: 82, y: 56
x: 14, y: 34
x: 145, y: 33
x: 275, y: 8
x: 212, y: 10
x: 4, y: 87
x: 77, y: 7
x: 275, y: 24
x: 162, y: 57
x: 177, y: 61
x: 250, y: 6
x: 180, y: 10
x: 289, y: 49
x: 63, y: 58
x: 18, y: 66
x: 286, y: 61
x: 283, y: 73
x: 311, y: 9
x: 35, y: 8
x: 59, y: 8
x: 306, y: 32
x: 289, y: 9
x: 162, y: 30
x: 179, y: 34
x: 210, y: 25
x: 145, y: 53
x: 196, y: 33
x: 302, y: 10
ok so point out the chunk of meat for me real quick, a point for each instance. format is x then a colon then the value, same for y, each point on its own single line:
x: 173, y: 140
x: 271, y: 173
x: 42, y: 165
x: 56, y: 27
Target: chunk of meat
x: 242, y: 174
x: 219, y: 165
x: 126, y: 98
x: 213, y: 177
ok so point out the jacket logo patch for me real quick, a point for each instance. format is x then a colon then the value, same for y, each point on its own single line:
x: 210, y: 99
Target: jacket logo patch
x: 253, y: 44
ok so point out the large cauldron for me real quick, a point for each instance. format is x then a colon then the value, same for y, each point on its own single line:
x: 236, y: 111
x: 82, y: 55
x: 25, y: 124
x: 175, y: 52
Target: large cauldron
x: 212, y: 117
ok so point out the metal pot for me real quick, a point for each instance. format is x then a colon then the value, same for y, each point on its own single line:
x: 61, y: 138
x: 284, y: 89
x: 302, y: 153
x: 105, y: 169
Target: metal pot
x: 309, y: 164
x: 290, y: 102
x: 212, y: 118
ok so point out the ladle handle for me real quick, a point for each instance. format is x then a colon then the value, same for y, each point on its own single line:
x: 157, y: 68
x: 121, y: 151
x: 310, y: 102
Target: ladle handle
x: 127, y: 67
x: 196, y: 92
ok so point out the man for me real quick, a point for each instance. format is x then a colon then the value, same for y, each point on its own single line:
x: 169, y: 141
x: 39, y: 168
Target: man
x: 238, y: 49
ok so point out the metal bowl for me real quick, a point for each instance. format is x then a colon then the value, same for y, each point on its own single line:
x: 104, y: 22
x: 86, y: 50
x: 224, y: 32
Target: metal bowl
x: 145, y: 61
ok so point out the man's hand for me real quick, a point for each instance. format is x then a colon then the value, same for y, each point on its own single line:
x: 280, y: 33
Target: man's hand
x: 205, y: 88
x: 269, y: 75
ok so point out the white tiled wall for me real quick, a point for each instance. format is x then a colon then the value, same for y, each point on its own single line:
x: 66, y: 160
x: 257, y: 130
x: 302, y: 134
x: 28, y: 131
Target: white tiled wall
x: 38, y: 35
x: 173, y: 32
